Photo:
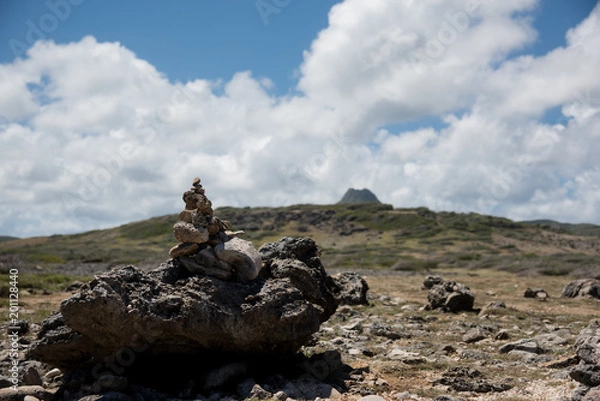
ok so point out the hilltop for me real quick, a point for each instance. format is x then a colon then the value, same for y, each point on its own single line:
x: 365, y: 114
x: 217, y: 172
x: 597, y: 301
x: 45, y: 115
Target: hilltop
x: 352, y: 236
x: 359, y: 196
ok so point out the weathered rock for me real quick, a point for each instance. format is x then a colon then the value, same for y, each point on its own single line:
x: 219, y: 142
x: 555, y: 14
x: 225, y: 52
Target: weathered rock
x: 450, y: 296
x: 525, y: 345
x: 586, y: 374
x: 538, y: 293
x: 10, y: 394
x: 474, y: 335
x: 587, y: 344
x: 430, y: 281
x: 183, y: 250
x: 353, y: 289
x: 582, y: 288
x: 463, y: 378
x: 129, y: 314
x: 188, y: 233
x: 592, y: 395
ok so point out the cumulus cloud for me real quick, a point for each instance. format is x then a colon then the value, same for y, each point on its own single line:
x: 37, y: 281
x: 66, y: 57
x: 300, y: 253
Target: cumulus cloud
x: 93, y: 136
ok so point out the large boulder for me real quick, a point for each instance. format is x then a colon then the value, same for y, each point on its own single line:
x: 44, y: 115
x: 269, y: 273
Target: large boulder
x: 169, y: 311
x: 450, y: 296
x: 589, y: 288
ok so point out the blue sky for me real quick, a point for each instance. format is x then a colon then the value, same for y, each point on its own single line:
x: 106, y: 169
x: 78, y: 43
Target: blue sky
x: 185, y: 39
x: 190, y: 39
x: 465, y: 105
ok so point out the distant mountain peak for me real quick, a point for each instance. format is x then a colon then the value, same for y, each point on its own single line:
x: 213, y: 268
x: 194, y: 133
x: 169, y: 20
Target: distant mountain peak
x: 359, y: 196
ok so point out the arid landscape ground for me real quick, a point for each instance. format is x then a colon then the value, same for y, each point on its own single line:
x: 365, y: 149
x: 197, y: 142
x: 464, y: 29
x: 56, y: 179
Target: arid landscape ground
x: 397, y: 348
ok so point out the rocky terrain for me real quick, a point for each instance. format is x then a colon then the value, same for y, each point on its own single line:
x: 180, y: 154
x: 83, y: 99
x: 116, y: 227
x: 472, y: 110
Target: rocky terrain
x: 397, y: 347
x: 446, y: 307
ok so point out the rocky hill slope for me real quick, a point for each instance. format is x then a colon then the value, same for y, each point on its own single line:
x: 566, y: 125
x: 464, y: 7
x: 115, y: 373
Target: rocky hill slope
x: 351, y: 236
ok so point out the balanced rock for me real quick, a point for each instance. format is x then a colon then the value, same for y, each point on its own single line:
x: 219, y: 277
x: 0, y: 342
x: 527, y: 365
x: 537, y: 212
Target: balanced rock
x: 169, y: 311
x: 206, y: 246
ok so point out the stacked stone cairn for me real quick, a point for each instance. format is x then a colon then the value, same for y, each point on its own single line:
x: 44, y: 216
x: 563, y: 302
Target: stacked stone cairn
x: 207, y: 246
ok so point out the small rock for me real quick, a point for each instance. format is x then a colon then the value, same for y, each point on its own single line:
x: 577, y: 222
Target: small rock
x: 30, y: 398
x: 52, y: 374
x: 410, y: 358
x: 32, y: 377
x: 535, y: 293
x: 526, y: 345
x: 74, y: 286
x: 353, y: 289
x: 280, y: 395
x: 259, y: 392
x: 474, y: 335
x: 502, y: 335
x: 430, y: 281
x: 371, y: 398
x: 10, y: 394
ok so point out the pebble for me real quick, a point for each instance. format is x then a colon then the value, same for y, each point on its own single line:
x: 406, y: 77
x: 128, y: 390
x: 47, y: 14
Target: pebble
x: 372, y: 398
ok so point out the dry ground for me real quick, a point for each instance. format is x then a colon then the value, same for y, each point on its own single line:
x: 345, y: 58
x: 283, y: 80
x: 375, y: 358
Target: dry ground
x: 397, y: 300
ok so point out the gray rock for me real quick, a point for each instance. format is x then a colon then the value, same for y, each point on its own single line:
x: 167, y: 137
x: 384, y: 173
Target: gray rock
x: 450, y: 296
x: 242, y: 255
x: 582, y: 288
x: 588, y: 375
x: 474, y: 335
x: 464, y: 378
x: 74, y: 286
x: 525, y: 345
x: 550, y: 340
x: 579, y: 392
x: 188, y: 233
x: 10, y: 394
x: 587, y: 344
x: 353, y: 289
x: 535, y: 293
x: 491, y: 306
x: 592, y: 395
x: 168, y: 311
x: 430, y: 281
x: 259, y: 392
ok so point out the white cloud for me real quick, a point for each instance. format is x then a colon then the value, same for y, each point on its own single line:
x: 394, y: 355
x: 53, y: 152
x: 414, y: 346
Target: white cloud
x: 93, y: 136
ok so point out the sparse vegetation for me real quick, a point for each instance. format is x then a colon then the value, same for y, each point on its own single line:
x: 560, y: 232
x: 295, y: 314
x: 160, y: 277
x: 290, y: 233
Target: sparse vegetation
x: 352, y: 236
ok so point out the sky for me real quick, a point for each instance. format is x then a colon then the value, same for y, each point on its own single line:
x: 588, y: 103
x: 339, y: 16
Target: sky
x: 109, y: 109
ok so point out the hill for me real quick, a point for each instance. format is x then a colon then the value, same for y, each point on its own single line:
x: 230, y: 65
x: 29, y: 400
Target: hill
x: 4, y: 238
x: 578, y: 229
x: 359, y: 196
x: 352, y: 236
